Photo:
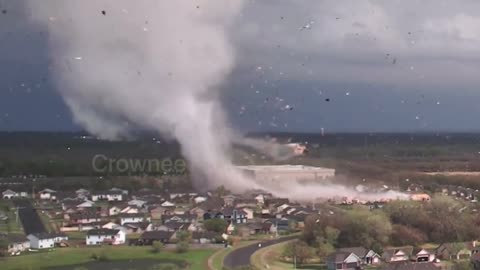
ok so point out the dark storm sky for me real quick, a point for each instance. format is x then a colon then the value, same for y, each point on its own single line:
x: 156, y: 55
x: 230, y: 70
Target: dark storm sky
x: 301, y: 66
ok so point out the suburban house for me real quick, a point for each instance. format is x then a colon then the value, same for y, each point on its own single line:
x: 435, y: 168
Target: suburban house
x: 10, y: 194
x: 45, y: 240
x: 110, y: 195
x: 114, y: 226
x: 147, y: 238
x: 85, y: 204
x: 199, y: 199
x: 457, y: 251
x: 139, y: 227
x: 85, y: 217
x: 183, y: 218
x: 137, y: 203
x: 105, y: 236
x: 282, y: 225
x: 176, y: 226
x: 397, y: 254
x: 234, y: 215
x: 157, y: 212
x: 132, y: 218
x: 368, y: 256
x: 204, y: 237
x: 343, y: 260
x: 82, y: 193
x: 16, y: 243
x: 167, y: 204
x: 423, y: 255
x: 47, y: 194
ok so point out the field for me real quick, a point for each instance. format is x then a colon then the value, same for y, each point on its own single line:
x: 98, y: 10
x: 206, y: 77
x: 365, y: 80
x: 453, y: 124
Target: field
x: 197, y: 259
x: 10, y: 225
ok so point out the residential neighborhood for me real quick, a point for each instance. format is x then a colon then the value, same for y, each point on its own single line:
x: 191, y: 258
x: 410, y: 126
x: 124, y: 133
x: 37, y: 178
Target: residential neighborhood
x: 119, y: 217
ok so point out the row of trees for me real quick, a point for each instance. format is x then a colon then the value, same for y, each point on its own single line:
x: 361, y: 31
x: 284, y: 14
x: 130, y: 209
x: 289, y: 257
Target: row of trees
x: 399, y: 223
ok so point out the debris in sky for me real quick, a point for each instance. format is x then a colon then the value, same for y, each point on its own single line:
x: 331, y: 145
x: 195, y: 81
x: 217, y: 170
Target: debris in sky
x: 104, y: 12
x: 78, y: 58
x: 438, y: 102
x: 417, y: 117
x: 307, y: 26
x: 281, y: 18
x: 4, y: 11
x: 347, y: 94
x: 327, y: 100
x: 394, y: 61
x: 198, y: 6
x: 337, y: 18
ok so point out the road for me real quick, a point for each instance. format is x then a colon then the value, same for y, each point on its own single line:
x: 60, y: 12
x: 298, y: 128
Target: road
x: 29, y: 217
x: 241, y: 256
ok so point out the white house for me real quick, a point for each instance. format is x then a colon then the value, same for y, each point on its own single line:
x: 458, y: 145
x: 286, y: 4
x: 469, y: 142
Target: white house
x: 9, y: 194
x: 132, y: 218
x: 16, y: 243
x: 105, y: 236
x: 115, y: 226
x: 47, y: 194
x: 167, y: 204
x: 137, y: 203
x: 111, y: 196
x: 199, y: 199
x: 86, y: 204
x: 45, y: 240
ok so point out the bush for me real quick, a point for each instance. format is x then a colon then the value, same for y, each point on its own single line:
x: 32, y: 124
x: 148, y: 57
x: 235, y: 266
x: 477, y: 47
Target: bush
x: 157, y: 246
x: 182, y: 247
x: 100, y: 257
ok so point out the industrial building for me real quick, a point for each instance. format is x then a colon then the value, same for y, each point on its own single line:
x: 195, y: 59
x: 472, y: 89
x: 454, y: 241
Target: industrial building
x: 280, y: 173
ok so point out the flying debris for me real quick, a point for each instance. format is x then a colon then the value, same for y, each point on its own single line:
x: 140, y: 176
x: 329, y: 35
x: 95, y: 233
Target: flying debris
x: 394, y: 61
x: 327, y: 100
x: 307, y: 26
x: 104, y: 12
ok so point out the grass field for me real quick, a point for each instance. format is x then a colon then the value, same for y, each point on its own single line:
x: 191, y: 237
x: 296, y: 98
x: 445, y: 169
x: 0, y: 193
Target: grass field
x: 10, y: 225
x: 197, y: 259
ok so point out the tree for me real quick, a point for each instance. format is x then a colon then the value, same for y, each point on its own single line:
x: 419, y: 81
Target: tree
x: 298, y: 250
x: 184, y: 236
x: 462, y: 265
x: 221, y: 191
x: 182, y: 247
x: 403, y: 235
x: 215, y: 225
x: 157, y: 246
x: 365, y: 228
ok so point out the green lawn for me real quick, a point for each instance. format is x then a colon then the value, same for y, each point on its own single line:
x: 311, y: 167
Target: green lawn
x: 70, y: 256
x: 11, y: 225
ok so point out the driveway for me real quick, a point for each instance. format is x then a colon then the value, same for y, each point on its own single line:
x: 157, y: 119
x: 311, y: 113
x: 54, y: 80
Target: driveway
x: 241, y: 256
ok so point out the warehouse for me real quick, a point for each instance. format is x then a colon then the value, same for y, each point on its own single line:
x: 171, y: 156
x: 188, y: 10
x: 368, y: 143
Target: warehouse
x: 280, y: 173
